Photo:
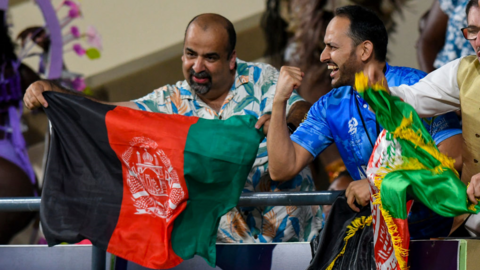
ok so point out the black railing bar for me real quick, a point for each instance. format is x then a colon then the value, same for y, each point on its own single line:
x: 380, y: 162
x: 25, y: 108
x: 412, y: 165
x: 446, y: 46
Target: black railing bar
x: 288, y: 198
x: 249, y: 199
x: 19, y: 204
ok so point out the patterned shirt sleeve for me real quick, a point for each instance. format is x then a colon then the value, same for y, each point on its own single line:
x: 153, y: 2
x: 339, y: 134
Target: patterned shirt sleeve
x: 444, y: 126
x: 448, y: 6
x: 314, y: 133
x: 269, y: 85
x: 155, y: 101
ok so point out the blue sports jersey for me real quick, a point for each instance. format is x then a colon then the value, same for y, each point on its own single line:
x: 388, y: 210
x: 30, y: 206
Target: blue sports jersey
x: 335, y: 118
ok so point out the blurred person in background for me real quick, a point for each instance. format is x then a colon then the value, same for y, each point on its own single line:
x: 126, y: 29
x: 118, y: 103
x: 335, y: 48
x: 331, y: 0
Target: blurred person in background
x: 440, y: 41
x: 17, y: 176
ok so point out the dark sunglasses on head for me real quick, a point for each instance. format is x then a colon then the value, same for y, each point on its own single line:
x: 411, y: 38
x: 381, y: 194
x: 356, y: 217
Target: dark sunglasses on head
x: 470, y: 33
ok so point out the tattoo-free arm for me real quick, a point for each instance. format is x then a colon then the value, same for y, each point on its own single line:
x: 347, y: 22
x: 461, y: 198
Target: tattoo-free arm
x: 286, y: 158
x: 34, y: 95
x: 437, y: 93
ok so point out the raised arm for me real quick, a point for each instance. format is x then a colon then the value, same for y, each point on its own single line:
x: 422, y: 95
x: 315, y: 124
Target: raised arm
x: 34, y: 99
x: 286, y: 158
x: 437, y: 93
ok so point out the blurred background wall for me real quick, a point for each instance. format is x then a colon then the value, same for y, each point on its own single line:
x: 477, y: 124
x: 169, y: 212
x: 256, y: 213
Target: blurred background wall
x: 142, y: 40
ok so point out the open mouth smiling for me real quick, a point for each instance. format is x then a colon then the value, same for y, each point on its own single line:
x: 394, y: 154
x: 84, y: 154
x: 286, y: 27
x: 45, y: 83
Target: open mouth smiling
x: 334, y: 69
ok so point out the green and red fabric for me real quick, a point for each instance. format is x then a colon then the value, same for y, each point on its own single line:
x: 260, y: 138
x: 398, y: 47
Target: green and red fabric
x: 148, y: 187
x: 405, y: 161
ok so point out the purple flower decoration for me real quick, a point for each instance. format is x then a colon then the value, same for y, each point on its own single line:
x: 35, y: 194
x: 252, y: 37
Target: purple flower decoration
x: 94, y: 38
x: 75, y: 31
x: 74, y: 11
x: 79, y: 49
x: 72, y: 35
x: 78, y: 83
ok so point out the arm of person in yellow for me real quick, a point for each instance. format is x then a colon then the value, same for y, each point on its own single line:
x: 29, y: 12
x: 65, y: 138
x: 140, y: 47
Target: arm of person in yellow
x: 473, y: 190
x: 436, y: 94
x: 286, y: 158
x: 34, y: 99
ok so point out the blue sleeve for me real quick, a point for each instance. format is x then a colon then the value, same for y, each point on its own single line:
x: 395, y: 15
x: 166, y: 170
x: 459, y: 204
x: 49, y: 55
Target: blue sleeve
x: 443, y: 126
x: 314, y: 133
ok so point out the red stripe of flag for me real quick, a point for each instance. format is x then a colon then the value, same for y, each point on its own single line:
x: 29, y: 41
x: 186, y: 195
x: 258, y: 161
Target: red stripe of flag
x: 146, y: 145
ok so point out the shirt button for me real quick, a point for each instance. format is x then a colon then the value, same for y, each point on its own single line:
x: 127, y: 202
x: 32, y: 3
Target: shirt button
x: 474, y: 160
x: 220, y: 117
x: 365, y: 106
x: 477, y: 135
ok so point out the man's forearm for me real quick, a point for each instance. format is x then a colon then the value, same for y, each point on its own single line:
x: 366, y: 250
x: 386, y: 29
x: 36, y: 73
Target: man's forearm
x: 56, y: 87
x: 281, y: 152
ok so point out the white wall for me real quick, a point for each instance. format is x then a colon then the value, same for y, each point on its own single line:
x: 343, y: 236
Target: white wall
x: 401, y: 45
x: 133, y: 29
x: 139, y: 30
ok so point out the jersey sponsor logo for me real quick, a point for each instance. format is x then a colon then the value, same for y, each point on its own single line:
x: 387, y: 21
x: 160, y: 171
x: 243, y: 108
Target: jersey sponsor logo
x: 352, y: 126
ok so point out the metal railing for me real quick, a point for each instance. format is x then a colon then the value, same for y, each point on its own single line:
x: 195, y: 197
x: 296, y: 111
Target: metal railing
x: 250, y: 199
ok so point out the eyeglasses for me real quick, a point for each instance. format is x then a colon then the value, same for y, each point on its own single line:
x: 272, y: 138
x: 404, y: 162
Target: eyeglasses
x: 470, y: 33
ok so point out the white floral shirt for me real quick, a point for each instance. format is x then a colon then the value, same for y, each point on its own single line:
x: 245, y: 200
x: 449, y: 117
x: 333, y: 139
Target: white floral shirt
x: 252, y: 93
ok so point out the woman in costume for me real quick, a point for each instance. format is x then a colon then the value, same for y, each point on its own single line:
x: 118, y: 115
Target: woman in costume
x: 18, y: 178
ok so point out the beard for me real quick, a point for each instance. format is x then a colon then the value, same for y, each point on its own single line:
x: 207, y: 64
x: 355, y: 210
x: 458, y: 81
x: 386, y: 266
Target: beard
x: 200, y: 88
x: 347, y: 72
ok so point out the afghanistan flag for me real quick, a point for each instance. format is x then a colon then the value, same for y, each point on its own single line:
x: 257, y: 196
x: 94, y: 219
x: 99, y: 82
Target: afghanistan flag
x: 405, y: 161
x: 148, y: 187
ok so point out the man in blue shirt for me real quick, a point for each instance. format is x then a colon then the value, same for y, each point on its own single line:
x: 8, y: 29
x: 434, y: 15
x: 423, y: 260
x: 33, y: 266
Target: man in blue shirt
x: 353, y: 38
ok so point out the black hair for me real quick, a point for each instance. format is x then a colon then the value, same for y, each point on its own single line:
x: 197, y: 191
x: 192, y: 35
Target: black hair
x: 365, y: 25
x: 274, y: 30
x: 227, y: 24
x: 470, y: 4
x: 7, y: 48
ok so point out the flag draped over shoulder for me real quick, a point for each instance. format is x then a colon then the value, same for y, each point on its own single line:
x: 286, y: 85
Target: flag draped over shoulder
x: 148, y: 187
x: 405, y: 161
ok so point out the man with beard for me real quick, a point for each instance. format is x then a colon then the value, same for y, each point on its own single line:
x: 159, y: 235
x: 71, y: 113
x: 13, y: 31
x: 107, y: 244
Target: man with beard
x: 217, y: 85
x: 354, y: 38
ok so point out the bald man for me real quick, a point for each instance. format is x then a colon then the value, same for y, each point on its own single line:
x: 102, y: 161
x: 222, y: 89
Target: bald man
x: 217, y: 85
